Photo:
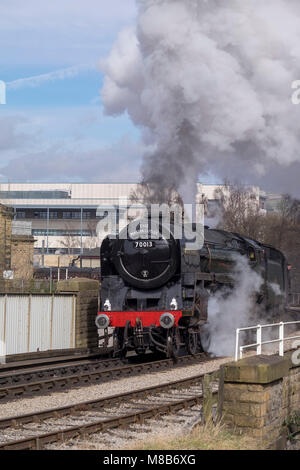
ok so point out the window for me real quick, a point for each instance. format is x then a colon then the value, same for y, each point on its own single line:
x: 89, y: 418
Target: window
x: 35, y: 195
x: 103, y: 215
x: 71, y: 215
x: 62, y: 233
x: 40, y: 215
x: 275, y: 255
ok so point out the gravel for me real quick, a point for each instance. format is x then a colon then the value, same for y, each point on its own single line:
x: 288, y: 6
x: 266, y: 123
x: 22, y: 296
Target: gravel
x: 114, y: 387
x: 122, y: 385
x: 175, y: 424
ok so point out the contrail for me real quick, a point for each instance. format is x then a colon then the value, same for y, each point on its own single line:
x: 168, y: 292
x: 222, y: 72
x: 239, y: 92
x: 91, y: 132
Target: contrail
x: 61, y: 74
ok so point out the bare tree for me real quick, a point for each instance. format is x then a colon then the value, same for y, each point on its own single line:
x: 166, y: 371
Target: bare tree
x: 240, y: 213
x: 70, y: 241
x: 91, y: 239
x: 152, y: 193
x: 239, y: 209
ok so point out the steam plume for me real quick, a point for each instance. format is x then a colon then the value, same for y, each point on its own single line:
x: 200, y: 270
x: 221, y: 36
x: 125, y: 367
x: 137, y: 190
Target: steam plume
x: 209, y: 82
x: 234, y: 309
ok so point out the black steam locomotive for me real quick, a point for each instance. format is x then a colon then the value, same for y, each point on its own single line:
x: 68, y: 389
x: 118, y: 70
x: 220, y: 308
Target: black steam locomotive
x: 155, y: 289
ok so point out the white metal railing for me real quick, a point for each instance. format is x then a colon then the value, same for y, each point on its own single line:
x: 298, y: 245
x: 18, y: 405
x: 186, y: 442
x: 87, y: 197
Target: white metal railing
x: 259, y: 343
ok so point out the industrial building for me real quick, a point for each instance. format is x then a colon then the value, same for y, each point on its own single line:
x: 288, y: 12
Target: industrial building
x: 63, y: 217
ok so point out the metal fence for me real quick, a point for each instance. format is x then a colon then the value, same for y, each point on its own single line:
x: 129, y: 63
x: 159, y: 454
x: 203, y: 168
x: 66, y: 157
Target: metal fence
x: 62, y: 273
x: 32, y: 322
x: 294, y: 299
x: 259, y: 342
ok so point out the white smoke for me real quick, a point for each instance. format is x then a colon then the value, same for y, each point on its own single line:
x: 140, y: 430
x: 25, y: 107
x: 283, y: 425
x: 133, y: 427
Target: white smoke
x: 276, y: 288
x: 209, y: 82
x: 232, y: 309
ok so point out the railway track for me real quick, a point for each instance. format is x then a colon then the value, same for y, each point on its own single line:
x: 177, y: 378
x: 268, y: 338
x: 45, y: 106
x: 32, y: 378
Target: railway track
x: 41, y: 429
x: 68, y: 368
x: 44, y: 380
x: 28, y: 364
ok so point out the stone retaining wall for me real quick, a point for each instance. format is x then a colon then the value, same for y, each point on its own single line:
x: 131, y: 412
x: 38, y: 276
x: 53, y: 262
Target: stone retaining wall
x: 259, y: 394
x: 87, y: 295
x: 22, y: 256
x: 16, y: 251
x: 6, y: 215
x: 27, y: 286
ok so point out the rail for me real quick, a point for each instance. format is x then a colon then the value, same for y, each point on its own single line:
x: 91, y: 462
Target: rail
x: 78, y: 420
x: 259, y: 342
x: 64, y: 376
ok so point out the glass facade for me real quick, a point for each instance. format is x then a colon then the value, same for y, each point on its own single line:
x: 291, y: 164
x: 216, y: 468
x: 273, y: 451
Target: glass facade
x: 34, y: 195
x: 62, y: 233
x: 55, y: 214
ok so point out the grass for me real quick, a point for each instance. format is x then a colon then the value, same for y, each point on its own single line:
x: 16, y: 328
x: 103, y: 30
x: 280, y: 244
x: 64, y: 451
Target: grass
x: 208, y: 437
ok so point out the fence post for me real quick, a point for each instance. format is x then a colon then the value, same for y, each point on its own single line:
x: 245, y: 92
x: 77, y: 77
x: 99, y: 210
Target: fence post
x: 208, y: 399
x: 237, y: 344
x: 50, y: 280
x: 258, y: 340
x: 281, y: 338
x: 220, y: 394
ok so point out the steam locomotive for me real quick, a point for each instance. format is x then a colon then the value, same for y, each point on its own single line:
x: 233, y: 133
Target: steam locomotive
x: 155, y: 289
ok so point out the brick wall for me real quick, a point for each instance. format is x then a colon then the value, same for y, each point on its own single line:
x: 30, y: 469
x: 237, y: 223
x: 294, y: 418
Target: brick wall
x: 259, y: 394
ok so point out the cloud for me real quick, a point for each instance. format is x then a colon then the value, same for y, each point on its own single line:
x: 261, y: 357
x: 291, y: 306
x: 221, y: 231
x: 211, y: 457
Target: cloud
x: 119, y: 162
x: 60, y: 32
x: 68, y: 143
x: 56, y: 142
x: 13, y: 133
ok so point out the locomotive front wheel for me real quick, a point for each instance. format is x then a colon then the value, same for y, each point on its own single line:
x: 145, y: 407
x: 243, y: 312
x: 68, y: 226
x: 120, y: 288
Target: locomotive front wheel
x: 170, y: 348
x: 178, y: 349
x: 118, y: 344
x: 193, y: 343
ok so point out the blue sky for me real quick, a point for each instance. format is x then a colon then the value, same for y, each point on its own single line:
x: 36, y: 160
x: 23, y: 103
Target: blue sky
x: 49, y: 60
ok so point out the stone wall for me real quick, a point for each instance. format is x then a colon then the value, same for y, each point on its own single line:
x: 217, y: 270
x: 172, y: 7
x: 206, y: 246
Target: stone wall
x: 27, y: 286
x: 87, y: 292
x: 259, y: 394
x: 22, y: 256
x: 6, y: 215
x: 16, y: 251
